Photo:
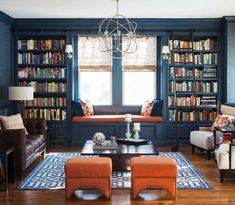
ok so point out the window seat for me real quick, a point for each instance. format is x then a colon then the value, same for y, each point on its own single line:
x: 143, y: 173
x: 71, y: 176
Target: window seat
x: 117, y: 118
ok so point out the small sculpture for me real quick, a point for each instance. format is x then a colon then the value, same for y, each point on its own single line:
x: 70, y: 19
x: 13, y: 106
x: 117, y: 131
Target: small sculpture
x: 99, y: 138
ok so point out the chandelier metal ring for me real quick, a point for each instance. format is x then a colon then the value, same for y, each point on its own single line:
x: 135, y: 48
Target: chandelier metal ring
x: 113, y: 32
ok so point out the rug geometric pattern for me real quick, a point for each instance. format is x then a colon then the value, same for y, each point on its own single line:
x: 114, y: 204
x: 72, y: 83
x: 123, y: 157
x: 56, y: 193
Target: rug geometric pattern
x: 49, y: 174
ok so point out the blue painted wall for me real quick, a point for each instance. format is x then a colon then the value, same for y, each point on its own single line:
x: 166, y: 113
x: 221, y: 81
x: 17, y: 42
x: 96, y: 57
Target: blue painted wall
x: 5, y: 59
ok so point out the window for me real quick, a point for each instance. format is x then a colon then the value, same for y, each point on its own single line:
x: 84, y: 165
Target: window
x: 95, y: 72
x: 139, y: 72
x: 133, y: 77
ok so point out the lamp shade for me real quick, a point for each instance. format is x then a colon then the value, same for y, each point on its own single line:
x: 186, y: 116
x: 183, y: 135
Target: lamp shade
x: 20, y: 93
x: 165, y: 50
x: 68, y: 49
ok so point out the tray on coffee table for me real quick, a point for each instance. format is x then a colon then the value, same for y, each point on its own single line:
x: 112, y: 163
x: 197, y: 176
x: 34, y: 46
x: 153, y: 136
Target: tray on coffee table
x: 132, y: 141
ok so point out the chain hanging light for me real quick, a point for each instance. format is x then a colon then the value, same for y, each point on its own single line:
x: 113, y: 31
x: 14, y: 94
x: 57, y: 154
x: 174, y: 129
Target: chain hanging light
x: 113, y: 32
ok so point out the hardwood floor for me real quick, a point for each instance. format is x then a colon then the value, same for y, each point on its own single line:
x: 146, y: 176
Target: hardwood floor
x: 222, y: 194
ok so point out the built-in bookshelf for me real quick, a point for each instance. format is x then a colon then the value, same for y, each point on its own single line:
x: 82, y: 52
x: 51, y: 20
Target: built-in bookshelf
x: 41, y: 64
x: 192, y: 80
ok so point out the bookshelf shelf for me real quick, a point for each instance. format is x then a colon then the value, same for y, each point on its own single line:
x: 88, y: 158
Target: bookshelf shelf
x: 43, y: 79
x: 50, y: 93
x: 39, y: 51
x: 42, y: 65
x: 45, y: 107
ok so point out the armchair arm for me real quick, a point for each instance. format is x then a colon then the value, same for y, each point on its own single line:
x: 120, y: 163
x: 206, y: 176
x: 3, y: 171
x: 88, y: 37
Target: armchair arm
x: 16, y: 138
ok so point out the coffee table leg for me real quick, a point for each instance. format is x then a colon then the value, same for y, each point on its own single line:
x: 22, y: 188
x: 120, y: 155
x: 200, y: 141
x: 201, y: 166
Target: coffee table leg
x: 121, y: 162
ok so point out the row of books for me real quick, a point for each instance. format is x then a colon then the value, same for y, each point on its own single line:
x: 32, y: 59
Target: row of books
x: 183, y: 58
x: 202, y: 58
x: 33, y: 72
x: 40, y: 44
x: 45, y: 86
x: 179, y: 44
x: 48, y: 114
x: 182, y: 115
x: 181, y: 72
x: 186, y: 86
x: 207, y: 115
x: 204, y: 101
x: 46, y: 102
x: 204, y: 115
x: 183, y: 101
x: 207, y: 44
x: 43, y: 58
x: 207, y: 87
x: 206, y: 72
x: 208, y: 101
x: 206, y: 58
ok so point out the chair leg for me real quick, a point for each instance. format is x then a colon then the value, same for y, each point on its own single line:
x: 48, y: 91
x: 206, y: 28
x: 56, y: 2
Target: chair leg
x: 208, y: 154
x: 221, y: 176
x: 193, y: 149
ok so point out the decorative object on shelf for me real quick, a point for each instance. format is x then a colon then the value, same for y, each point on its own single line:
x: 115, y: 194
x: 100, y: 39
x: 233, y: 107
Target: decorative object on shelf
x: 128, y: 121
x: 136, y: 130
x: 20, y: 94
x: 165, y: 52
x: 117, y: 28
x: 99, y: 138
x: 69, y: 51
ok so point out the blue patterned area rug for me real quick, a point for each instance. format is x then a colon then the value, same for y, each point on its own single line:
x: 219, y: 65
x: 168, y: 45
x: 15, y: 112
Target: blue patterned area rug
x: 49, y: 174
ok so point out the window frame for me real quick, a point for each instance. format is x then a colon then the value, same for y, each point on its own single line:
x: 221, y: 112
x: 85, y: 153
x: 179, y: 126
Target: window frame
x: 117, y: 78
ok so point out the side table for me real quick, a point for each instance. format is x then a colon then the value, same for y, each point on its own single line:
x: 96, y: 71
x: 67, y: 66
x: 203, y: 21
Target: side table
x: 7, y: 158
x: 224, y: 130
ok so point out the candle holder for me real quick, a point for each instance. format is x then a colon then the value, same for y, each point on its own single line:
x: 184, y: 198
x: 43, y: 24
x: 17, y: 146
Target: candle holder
x: 136, y: 136
x: 128, y: 133
x: 128, y: 120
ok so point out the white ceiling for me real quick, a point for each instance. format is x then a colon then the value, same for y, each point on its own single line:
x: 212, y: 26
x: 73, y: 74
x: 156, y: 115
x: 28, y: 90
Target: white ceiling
x: 129, y: 8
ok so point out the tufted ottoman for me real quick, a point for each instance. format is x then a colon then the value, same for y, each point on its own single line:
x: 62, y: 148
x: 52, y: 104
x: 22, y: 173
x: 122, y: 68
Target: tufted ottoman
x: 88, y: 172
x: 153, y: 172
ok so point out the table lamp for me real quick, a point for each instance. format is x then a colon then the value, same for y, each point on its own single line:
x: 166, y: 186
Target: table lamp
x: 20, y: 94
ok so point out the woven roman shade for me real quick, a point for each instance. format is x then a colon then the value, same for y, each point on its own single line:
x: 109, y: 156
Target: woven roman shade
x: 144, y: 59
x: 90, y: 59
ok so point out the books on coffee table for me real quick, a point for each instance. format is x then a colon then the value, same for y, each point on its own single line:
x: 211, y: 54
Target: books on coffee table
x: 105, y: 145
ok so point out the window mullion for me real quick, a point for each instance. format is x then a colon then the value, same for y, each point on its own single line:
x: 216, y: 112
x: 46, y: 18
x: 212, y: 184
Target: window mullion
x: 117, y: 79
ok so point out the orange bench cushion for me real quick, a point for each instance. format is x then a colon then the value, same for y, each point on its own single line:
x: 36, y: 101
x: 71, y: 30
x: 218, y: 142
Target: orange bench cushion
x: 88, y: 167
x: 117, y: 118
x: 153, y: 167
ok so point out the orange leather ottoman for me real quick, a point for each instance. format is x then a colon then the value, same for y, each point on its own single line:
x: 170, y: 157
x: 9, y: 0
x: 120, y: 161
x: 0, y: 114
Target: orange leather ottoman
x: 153, y: 172
x: 88, y: 172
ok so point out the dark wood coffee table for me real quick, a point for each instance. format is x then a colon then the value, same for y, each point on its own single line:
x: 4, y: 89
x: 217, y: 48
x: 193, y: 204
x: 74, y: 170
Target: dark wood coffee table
x: 122, y: 155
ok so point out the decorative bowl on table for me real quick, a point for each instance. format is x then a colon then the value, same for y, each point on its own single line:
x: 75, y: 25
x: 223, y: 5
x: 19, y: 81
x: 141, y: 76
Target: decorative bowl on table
x: 98, y: 138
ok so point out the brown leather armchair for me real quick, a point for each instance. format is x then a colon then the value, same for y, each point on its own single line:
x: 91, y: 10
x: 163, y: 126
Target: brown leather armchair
x: 27, y: 147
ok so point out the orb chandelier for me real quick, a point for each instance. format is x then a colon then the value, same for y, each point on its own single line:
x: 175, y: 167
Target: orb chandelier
x: 117, y: 35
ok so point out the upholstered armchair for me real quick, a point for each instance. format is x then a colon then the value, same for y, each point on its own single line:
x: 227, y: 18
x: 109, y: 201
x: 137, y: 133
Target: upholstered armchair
x: 27, y: 146
x: 225, y: 157
x: 203, y: 139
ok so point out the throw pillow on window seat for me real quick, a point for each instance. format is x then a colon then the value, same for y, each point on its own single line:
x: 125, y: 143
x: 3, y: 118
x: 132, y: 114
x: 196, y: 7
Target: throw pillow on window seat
x: 146, y: 108
x: 87, y: 108
x: 13, y: 122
